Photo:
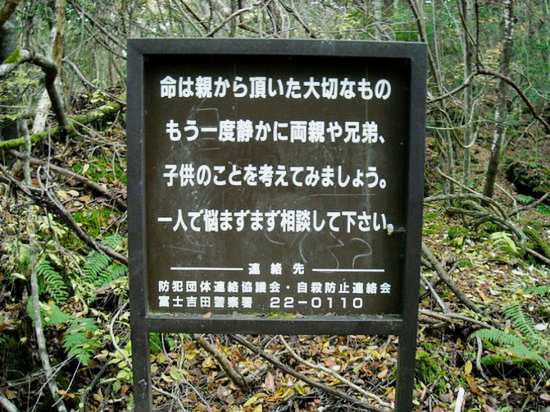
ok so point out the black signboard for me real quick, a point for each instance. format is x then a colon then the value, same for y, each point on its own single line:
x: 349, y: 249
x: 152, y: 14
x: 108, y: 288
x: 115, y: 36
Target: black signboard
x: 275, y: 186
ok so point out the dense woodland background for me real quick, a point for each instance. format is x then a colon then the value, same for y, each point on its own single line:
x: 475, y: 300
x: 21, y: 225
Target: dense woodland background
x: 64, y: 319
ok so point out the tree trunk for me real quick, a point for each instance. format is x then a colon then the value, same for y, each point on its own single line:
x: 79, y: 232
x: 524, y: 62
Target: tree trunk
x: 501, y: 109
x: 467, y: 12
x: 378, y: 19
x: 58, y: 31
x: 8, y: 43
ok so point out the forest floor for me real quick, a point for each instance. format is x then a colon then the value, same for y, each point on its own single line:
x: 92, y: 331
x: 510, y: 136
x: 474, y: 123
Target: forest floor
x: 483, y: 261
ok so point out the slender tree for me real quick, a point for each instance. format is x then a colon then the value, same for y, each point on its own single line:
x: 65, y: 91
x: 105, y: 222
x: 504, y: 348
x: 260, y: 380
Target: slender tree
x: 467, y: 16
x: 501, y: 109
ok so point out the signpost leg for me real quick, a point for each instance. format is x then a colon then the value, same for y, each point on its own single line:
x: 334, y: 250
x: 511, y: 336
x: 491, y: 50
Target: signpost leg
x: 141, y: 368
x: 406, y: 369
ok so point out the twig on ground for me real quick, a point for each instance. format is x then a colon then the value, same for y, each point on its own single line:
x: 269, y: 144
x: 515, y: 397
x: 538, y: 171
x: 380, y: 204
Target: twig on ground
x: 41, y: 341
x: 459, y: 400
x: 171, y: 396
x: 231, y: 372
x: 69, y: 173
x: 335, y: 375
x: 49, y: 201
x: 450, y: 317
x: 7, y: 405
x: 442, y: 273
x: 538, y: 255
x: 95, y: 380
x: 287, y: 369
x: 112, y: 335
x: 437, y: 298
x: 478, y: 357
x: 529, y: 206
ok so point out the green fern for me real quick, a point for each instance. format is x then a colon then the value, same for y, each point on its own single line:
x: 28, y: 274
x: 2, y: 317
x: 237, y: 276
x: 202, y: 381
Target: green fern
x: 541, y: 290
x: 526, y: 345
x: 99, y: 269
x: 94, y: 265
x: 497, y: 337
x: 52, y: 281
x: 112, y: 272
x: 114, y: 242
x: 522, y: 322
x: 80, y: 340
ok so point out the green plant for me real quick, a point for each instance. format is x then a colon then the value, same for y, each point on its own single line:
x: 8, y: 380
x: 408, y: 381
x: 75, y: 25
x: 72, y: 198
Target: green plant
x: 429, y: 371
x: 541, y: 290
x: 99, y: 269
x: 52, y: 281
x: 504, y: 242
x: 80, y: 339
x: 522, y: 344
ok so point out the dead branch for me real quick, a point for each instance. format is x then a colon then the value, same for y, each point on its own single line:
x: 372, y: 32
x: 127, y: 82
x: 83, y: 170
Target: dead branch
x: 478, y: 357
x: 7, y: 405
x: 72, y: 175
x: 299, y: 18
x: 41, y: 342
x: 194, y: 15
x: 89, y: 84
x: 50, y: 73
x: 452, y: 317
x: 454, y: 91
x: 437, y: 298
x: 287, y: 369
x: 484, y: 216
x: 97, y: 115
x: 227, y: 20
x: 443, y: 275
x: 474, y: 195
x: 334, y: 374
x: 529, y: 206
x: 520, y: 93
x: 100, y: 27
x: 485, y: 72
x: 229, y: 369
x: 538, y: 255
x: 50, y: 202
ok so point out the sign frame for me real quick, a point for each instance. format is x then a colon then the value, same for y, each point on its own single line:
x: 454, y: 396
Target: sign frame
x: 143, y: 321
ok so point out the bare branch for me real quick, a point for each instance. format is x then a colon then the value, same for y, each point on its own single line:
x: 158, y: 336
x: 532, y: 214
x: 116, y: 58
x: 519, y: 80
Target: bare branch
x: 520, y: 93
x: 231, y: 372
x: 72, y: 175
x: 100, y: 27
x: 334, y: 374
x: 450, y: 317
x: 41, y: 341
x: 101, y: 113
x: 297, y: 16
x: 7, y: 405
x: 287, y: 369
x: 442, y: 273
x: 48, y: 200
x: 227, y: 20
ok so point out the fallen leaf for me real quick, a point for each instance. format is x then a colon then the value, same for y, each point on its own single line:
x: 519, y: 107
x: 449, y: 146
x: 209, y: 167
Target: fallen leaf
x: 269, y: 382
